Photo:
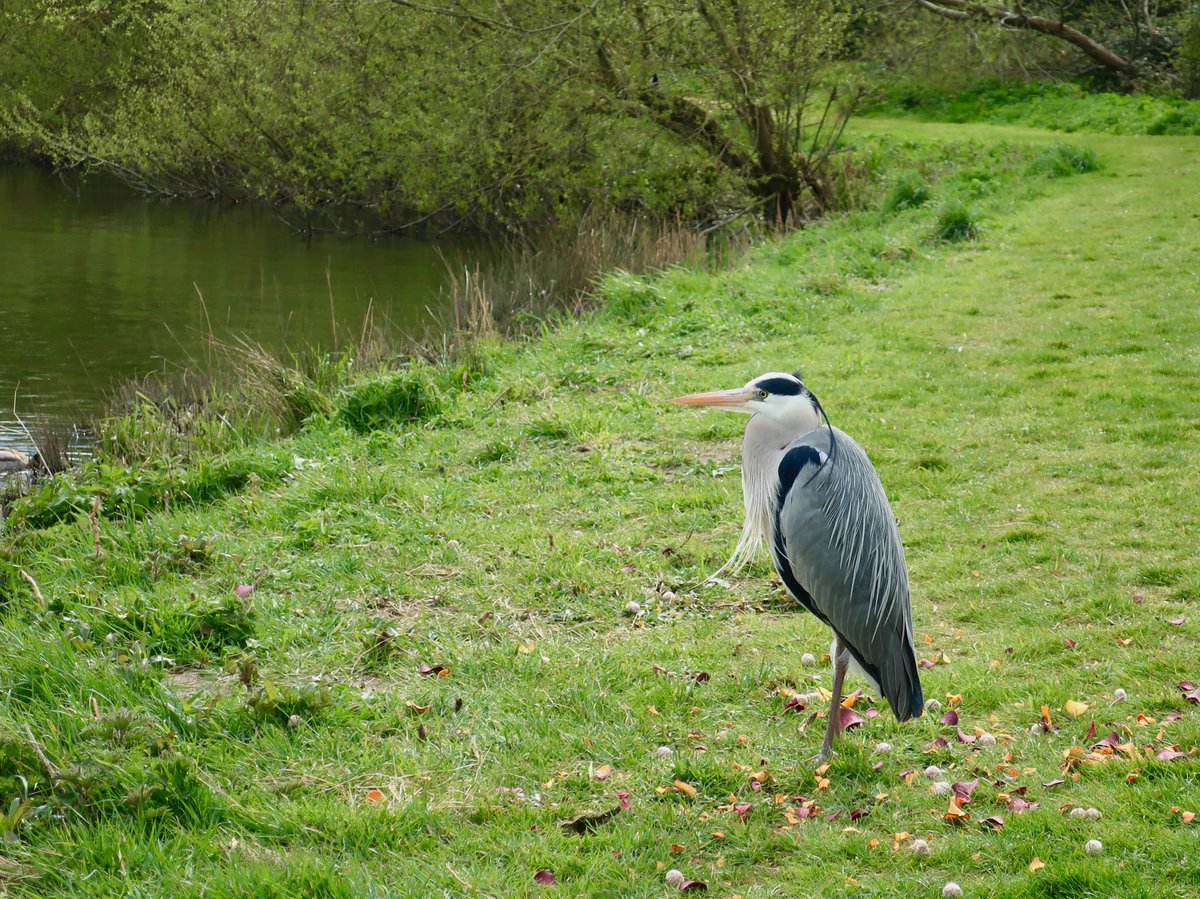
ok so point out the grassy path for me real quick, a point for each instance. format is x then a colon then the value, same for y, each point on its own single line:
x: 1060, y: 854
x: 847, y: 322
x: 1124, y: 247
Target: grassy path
x: 1032, y: 402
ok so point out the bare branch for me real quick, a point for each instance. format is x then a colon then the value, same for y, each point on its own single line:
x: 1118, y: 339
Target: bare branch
x: 1021, y: 20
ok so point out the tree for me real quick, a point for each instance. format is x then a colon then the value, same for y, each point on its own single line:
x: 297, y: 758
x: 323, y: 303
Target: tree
x: 1124, y: 38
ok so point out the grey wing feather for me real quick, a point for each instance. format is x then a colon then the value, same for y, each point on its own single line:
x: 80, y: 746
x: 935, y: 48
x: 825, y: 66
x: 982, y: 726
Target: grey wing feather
x: 837, y: 537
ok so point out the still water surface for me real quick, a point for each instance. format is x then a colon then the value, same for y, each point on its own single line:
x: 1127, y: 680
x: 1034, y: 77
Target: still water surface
x: 99, y: 284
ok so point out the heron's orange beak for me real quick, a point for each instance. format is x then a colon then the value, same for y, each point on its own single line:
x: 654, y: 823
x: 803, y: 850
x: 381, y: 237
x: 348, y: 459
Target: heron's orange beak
x: 735, y: 397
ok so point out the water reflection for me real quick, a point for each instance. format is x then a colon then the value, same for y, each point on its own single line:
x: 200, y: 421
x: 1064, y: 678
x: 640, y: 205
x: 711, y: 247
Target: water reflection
x: 98, y: 285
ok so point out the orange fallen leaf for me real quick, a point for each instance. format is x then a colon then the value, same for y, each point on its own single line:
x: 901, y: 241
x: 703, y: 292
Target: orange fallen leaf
x: 1188, y: 817
x: 820, y: 772
x: 652, y: 710
x: 675, y: 847
x: 1075, y: 708
x: 954, y: 698
x: 1037, y: 864
x: 685, y: 788
x: 527, y: 647
x: 1124, y: 641
x: 955, y: 812
x: 871, y: 844
x: 374, y: 796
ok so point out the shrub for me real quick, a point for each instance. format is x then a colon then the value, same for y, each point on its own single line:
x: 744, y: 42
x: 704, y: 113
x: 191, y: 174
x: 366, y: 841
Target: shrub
x: 956, y: 221
x: 378, y: 401
x: 910, y: 192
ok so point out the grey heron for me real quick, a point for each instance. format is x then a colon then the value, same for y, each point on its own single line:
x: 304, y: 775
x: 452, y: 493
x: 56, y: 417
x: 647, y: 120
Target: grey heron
x: 814, y: 498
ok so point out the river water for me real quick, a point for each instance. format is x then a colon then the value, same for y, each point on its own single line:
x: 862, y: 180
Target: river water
x: 99, y: 284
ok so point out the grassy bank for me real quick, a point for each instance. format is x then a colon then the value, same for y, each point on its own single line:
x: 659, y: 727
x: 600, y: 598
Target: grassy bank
x: 395, y: 660
x: 1064, y: 107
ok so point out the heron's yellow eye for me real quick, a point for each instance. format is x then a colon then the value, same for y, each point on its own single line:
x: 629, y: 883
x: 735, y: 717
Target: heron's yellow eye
x: 762, y: 394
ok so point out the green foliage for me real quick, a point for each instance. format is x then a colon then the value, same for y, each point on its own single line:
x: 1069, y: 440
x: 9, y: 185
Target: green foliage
x: 1065, y: 107
x: 956, y: 221
x: 382, y: 400
x: 1062, y: 160
x: 909, y: 192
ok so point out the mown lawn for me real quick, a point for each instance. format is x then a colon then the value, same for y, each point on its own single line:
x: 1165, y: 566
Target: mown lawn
x: 436, y: 667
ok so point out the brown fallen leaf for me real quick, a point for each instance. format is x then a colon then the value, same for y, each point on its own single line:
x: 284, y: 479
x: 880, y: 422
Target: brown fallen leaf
x: 1036, y: 865
x: 416, y: 709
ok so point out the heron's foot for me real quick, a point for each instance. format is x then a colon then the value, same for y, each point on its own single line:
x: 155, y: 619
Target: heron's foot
x: 821, y: 757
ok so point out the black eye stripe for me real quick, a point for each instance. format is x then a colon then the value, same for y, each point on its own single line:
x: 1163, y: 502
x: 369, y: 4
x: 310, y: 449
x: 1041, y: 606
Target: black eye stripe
x: 779, y: 386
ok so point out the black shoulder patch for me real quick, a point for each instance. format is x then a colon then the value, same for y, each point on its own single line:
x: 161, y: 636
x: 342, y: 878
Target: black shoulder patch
x: 779, y: 386
x: 790, y: 466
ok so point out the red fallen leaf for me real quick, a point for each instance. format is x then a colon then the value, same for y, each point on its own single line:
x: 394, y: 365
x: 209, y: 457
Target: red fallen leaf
x: 701, y: 676
x: 1192, y: 695
x: 1172, y: 716
x: 833, y: 816
x: 430, y: 670
x: 803, y: 812
x: 1091, y: 731
x: 870, y: 712
x: 938, y: 744
x: 1169, y: 755
x: 950, y: 719
x: 243, y: 590
x: 849, y: 718
x: 963, y: 791
x: 1137, y: 597
x: 1053, y: 783
x: 924, y: 663
x: 692, y: 885
x: 545, y: 878
x: 794, y: 704
x: 877, y: 766
x: 907, y: 773
x: 1019, y: 806
x: 1018, y: 791
x: 625, y: 569
x: 995, y: 822
x: 1177, y: 621
x: 1069, y: 643
x: 1112, y: 741
x: 966, y: 738
x: 857, y: 813
x: 742, y: 809
x: 623, y: 797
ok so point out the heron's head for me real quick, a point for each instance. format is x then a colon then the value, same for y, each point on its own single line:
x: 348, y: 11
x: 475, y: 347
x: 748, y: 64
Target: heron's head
x: 777, y: 395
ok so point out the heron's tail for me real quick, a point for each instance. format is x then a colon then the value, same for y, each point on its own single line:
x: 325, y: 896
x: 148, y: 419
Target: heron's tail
x: 901, y: 684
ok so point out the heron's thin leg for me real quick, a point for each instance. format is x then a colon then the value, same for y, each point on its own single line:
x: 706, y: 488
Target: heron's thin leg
x: 834, y: 728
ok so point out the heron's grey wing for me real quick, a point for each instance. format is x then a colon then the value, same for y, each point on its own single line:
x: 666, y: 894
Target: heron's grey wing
x: 837, y: 548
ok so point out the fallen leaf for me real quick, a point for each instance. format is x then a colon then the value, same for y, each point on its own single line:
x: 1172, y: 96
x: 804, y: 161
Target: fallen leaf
x: 924, y: 663
x: 545, y: 878
x: 243, y: 590
x: 689, y: 885
x: 685, y: 788
x: 938, y: 744
x: 374, y: 796
x: 1037, y: 864
x: 604, y: 772
x: 586, y: 821
x: 1053, y: 783
x: 963, y: 791
x: 1169, y: 755
x: 857, y: 813
x: 950, y: 719
x: 1019, y: 806
x: 527, y: 647
x: 1069, y: 643
x: 954, y: 812
x: 851, y: 698
x: 850, y: 718
x: 1187, y: 817
x: 995, y: 822
x: 623, y: 797
x: 431, y: 670
x: 416, y: 709
x: 966, y: 738
x: 794, y: 704
x: 1177, y: 621
x: 742, y: 809
x: 1075, y: 708
x: 701, y: 676
x: 1124, y: 641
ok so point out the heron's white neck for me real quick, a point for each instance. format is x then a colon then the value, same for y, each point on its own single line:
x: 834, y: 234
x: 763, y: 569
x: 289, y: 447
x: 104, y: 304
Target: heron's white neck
x: 763, y: 445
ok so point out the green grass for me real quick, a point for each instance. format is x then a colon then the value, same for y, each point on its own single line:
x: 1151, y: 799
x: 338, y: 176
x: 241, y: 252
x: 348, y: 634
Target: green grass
x: 1064, y: 107
x: 1031, y: 401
